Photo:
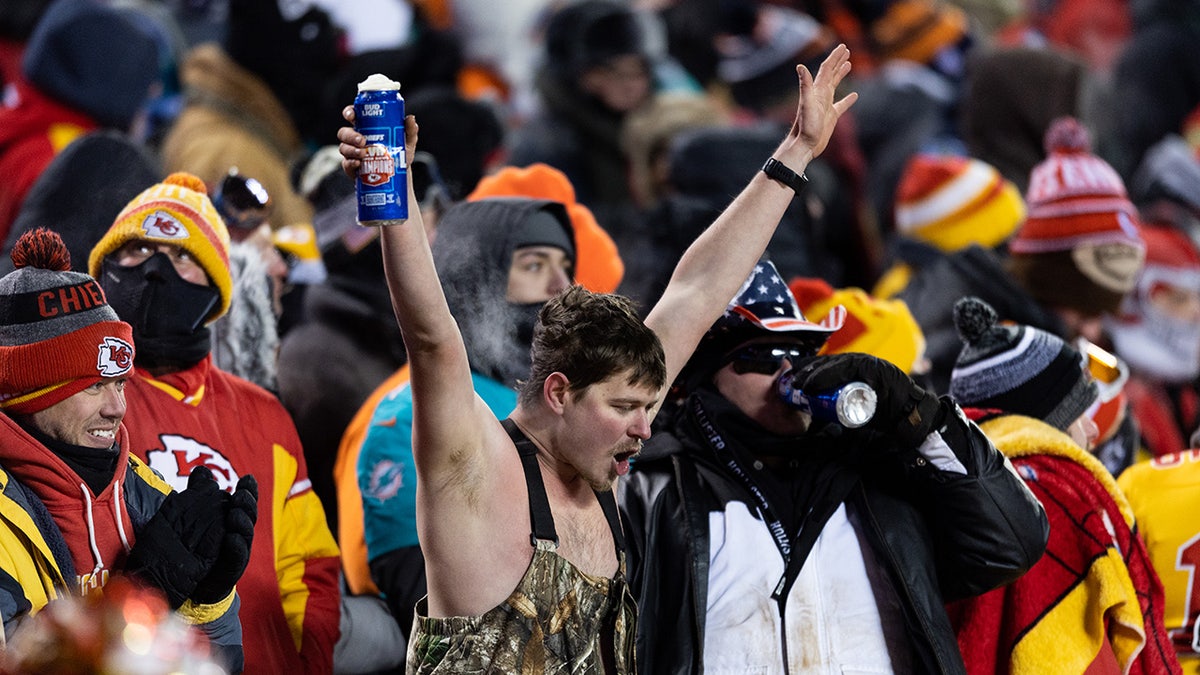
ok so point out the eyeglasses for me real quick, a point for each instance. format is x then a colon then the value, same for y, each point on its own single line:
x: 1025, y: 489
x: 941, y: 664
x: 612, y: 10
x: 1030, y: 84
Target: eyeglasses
x: 765, y: 359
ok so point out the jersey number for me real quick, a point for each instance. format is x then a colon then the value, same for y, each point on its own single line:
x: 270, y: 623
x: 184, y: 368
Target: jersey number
x: 1187, y: 561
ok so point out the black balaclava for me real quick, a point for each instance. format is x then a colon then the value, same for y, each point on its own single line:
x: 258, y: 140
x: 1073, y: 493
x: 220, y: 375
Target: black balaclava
x: 167, y: 313
x: 473, y: 254
x: 525, y: 316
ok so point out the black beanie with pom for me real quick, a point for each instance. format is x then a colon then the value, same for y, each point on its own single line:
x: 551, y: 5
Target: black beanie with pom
x: 1017, y: 369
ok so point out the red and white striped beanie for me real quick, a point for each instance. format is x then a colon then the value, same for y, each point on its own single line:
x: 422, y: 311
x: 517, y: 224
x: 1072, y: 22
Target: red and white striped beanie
x: 1079, y: 246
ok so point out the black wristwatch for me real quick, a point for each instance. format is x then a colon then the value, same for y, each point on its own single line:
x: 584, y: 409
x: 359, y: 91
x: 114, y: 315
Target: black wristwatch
x: 778, y: 171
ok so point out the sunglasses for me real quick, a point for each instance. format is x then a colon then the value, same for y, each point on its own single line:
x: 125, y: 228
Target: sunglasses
x: 765, y: 359
x: 242, y: 201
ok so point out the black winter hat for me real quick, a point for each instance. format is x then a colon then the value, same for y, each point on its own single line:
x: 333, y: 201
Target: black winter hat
x: 589, y: 33
x: 1017, y: 369
x: 94, y: 58
x: 82, y: 190
x: 18, y: 18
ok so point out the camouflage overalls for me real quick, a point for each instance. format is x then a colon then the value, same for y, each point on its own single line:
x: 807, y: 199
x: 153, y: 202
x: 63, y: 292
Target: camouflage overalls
x: 558, y: 620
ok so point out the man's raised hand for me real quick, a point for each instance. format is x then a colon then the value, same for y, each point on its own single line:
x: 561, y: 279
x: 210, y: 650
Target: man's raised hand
x: 816, y: 112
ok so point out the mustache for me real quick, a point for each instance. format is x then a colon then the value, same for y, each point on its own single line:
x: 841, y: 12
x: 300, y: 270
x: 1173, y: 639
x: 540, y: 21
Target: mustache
x: 632, y: 448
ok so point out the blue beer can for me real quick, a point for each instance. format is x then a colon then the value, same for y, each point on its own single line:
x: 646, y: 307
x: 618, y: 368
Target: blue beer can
x: 382, y: 184
x: 852, y: 405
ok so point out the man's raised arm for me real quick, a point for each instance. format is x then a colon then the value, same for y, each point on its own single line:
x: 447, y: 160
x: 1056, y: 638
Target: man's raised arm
x: 715, y: 265
x: 440, y: 376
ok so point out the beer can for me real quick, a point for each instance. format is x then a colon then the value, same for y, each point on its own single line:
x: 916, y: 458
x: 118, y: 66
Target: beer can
x: 382, y: 185
x: 851, y: 405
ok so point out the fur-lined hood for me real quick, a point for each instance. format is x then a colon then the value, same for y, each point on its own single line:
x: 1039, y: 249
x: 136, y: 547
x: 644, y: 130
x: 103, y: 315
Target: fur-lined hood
x: 1019, y: 436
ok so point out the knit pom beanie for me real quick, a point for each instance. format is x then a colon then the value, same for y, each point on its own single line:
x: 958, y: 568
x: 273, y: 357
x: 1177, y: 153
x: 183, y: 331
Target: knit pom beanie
x: 58, y: 336
x: 1017, y: 369
x: 952, y: 202
x: 176, y: 211
x: 1079, y: 247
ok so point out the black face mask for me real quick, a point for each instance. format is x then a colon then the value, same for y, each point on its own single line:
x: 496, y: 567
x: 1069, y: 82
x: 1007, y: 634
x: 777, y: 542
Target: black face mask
x: 94, y: 465
x: 525, y: 317
x: 167, y: 312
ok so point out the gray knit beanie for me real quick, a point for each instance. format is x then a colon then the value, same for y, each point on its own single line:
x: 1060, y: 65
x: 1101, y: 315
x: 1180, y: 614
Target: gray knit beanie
x: 1017, y: 369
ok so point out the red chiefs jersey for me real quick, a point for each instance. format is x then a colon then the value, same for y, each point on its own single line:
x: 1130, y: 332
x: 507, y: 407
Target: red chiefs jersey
x: 289, y: 592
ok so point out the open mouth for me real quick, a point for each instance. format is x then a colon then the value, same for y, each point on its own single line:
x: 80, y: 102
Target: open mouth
x: 622, y: 460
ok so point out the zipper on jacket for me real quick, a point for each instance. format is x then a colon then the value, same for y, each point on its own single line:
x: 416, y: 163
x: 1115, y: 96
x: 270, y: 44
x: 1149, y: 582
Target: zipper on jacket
x: 781, y: 601
x: 783, y: 589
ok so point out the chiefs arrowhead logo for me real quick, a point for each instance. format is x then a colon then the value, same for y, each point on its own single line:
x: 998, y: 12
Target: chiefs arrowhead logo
x: 162, y: 225
x: 378, y: 166
x: 180, y: 454
x: 114, y: 357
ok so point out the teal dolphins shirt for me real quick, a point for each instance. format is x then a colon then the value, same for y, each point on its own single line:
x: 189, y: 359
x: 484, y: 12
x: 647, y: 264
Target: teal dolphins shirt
x: 386, y: 476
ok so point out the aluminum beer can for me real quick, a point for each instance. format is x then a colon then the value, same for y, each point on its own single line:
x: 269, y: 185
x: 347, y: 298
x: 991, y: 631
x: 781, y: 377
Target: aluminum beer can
x: 852, y: 405
x: 382, y: 184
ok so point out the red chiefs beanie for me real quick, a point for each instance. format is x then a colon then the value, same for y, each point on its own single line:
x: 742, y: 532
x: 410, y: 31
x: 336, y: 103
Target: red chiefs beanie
x: 1079, y: 247
x: 58, y: 336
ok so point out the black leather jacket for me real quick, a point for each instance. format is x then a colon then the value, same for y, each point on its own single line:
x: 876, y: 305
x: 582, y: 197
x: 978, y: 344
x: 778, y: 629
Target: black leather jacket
x: 942, y: 536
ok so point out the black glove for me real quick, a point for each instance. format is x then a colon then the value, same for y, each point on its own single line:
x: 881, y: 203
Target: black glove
x: 904, y: 410
x: 241, y: 512
x: 176, y: 549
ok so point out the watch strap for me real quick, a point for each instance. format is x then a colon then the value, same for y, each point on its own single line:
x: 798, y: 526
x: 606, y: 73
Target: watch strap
x: 777, y: 170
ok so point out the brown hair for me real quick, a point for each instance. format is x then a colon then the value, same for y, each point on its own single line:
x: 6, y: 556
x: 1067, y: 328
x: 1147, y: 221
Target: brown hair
x: 589, y: 337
